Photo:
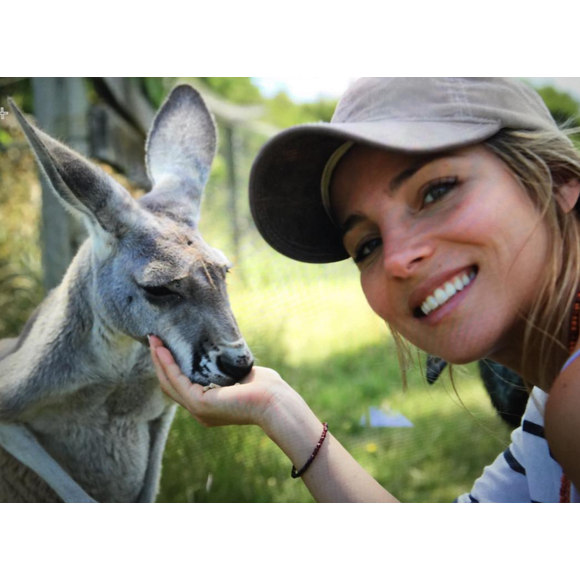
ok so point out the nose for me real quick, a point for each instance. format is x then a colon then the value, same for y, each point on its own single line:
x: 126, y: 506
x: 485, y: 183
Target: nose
x: 236, y: 368
x: 405, y: 256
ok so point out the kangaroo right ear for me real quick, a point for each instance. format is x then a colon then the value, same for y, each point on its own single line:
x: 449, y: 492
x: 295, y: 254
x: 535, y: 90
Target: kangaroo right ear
x: 180, y: 149
x: 83, y: 187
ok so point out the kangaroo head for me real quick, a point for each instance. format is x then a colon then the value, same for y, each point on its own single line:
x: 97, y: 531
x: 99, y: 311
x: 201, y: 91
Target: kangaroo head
x: 152, y: 273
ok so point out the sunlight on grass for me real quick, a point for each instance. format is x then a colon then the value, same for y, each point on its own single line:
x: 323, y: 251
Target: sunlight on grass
x: 309, y: 321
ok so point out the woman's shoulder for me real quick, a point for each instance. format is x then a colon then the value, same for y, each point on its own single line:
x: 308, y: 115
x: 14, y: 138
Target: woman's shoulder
x: 571, y: 359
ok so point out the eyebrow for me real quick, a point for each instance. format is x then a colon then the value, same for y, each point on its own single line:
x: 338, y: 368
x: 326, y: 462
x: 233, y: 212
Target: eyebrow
x: 395, y: 184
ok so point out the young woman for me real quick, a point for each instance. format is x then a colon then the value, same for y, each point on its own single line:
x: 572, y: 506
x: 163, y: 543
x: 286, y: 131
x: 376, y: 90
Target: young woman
x: 456, y: 199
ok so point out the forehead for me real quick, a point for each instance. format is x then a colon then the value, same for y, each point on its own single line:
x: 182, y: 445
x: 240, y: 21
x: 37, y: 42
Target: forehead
x: 164, y: 245
x: 365, y: 169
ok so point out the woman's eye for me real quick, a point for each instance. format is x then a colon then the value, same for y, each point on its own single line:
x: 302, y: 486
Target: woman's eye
x: 439, y: 189
x: 361, y: 255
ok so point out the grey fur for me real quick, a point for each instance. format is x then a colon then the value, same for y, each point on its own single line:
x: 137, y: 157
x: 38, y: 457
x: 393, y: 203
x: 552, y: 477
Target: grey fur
x: 80, y: 376
x: 7, y: 345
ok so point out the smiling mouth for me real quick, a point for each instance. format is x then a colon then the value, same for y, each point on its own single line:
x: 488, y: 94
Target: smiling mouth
x: 418, y: 312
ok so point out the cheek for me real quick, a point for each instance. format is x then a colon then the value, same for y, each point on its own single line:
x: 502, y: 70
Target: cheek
x: 375, y: 292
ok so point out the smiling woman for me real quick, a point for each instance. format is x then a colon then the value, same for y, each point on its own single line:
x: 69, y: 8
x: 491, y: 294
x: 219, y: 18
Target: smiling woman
x: 456, y: 199
x: 450, y: 221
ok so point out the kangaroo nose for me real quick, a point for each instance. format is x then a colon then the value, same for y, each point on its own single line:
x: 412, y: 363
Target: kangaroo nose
x: 236, y: 369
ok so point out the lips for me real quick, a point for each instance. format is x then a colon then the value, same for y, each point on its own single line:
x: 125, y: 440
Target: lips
x: 433, y: 286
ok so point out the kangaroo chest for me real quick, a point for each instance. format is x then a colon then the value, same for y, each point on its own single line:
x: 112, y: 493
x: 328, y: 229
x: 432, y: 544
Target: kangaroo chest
x: 102, y: 436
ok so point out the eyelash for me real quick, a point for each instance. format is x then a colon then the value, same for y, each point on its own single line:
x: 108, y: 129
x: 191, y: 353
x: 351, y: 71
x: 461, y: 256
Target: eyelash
x: 446, y: 184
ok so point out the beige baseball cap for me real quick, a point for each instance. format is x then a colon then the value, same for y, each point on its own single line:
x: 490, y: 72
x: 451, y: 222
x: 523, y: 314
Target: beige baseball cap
x: 290, y: 176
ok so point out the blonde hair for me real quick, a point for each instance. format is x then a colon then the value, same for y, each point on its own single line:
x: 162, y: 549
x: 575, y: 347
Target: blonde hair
x: 541, y: 162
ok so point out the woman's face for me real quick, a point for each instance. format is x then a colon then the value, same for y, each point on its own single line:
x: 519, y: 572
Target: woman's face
x: 453, y: 236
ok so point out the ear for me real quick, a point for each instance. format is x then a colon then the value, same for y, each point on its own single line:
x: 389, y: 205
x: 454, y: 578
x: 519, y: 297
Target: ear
x: 180, y: 149
x: 82, y: 187
x: 567, y: 195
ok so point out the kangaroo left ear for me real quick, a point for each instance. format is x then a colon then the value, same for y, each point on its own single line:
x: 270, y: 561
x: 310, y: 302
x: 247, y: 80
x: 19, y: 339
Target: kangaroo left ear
x: 567, y: 195
x: 83, y: 188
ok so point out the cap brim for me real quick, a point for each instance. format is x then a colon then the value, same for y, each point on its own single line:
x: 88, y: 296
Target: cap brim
x: 285, y: 194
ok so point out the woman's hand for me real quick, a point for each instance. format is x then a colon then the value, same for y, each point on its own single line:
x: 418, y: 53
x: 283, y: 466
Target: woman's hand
x: 253, y: 401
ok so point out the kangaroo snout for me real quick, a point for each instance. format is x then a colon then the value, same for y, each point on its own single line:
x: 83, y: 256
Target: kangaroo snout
x: 236, y: 367
x: 222, y: 363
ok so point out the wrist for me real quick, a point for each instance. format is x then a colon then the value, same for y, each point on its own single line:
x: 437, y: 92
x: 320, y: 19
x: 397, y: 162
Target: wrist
x: 286, y: 411
x: 294, y: 427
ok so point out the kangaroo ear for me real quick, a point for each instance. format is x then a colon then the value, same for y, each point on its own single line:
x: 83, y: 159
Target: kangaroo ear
x: 180, y: 149
x: 83, y: 187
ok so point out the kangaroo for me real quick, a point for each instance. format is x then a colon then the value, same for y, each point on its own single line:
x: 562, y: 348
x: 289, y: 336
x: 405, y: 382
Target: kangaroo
x: 77, y: 388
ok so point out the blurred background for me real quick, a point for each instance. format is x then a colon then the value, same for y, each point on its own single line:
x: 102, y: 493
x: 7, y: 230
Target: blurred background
x: 309, y: 322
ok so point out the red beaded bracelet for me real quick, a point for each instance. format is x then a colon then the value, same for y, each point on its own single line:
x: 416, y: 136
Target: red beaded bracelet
x: 295, y: 473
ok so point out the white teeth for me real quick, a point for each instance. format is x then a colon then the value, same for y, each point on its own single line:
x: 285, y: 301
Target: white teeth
x: 449, y: 289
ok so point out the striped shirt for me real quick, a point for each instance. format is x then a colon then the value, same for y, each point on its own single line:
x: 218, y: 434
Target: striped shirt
x: 526, y: 470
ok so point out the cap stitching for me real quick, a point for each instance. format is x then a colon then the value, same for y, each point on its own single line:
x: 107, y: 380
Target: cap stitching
x: 465, y: 99
x: 454, y: 96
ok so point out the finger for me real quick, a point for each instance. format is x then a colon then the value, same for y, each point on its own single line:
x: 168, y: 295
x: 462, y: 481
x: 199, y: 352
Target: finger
x: 178, y: 380
x: 166, y: 385
x: 164, y: 382
x: 154, y: 341
x: 161, y: 374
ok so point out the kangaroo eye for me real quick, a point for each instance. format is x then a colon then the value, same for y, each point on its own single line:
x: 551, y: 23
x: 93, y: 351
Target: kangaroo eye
x: 159, y: 292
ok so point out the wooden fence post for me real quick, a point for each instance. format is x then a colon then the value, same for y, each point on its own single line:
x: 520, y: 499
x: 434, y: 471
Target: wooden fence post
x: 60, y: 108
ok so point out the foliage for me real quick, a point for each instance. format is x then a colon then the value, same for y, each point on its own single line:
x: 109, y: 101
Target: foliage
x: 20, y: 268
x: 564, y: 108
x: 238, y: 90
x: 283, y: 112
x: 280, y: 110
